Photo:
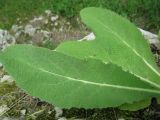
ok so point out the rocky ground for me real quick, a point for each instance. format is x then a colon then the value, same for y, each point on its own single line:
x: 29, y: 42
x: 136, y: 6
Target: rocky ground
x: 48, y: 30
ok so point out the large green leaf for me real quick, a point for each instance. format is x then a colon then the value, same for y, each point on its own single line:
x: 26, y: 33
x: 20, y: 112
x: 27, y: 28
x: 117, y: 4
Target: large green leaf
x: 70, y: 82
x: 117, y: 41
x: 139, y: 105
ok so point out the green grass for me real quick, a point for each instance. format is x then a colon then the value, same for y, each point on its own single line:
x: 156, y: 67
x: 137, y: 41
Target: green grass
x: 145, y: 13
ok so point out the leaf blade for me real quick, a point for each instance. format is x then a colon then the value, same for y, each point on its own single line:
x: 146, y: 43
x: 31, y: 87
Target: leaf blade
x: 70, y: 82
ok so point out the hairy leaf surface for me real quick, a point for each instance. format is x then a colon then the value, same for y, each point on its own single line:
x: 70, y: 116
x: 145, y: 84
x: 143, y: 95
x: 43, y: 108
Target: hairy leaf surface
x: 117, y: 41
x: 70, y: 82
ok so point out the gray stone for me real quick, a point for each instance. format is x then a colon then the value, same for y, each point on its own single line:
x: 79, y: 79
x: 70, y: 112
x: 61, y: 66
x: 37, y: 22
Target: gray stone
x: 5, y: 39
x: 29, y: 29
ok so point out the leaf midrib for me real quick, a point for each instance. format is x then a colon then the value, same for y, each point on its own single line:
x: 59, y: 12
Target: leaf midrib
x: 89, y: 82
x: 100, y: 84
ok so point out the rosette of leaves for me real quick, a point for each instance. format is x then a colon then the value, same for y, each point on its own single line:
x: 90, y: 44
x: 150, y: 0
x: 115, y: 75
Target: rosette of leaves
x: 117, y: 68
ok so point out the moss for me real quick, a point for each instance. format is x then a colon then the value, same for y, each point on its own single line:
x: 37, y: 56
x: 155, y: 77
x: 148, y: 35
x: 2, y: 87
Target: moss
x: 6, y: 88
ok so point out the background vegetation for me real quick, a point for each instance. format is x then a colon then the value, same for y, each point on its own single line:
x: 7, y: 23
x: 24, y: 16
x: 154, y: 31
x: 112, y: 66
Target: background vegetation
x: 144, y: 13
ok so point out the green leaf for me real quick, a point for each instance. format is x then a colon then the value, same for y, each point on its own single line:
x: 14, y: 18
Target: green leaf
x: 139, y: 105
x: 70, y: 82
x: 136, y: 105
x: 117, y: 41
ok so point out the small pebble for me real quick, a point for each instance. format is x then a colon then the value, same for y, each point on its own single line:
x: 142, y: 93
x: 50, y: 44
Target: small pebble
x: 48, y: 12
x: 56, y: 23
x: 46, y: 21
x: 6, y: 78
x: 121, y: 119
x: 59, y: 112
x: 54, y: 18
x: 89, y: 37
x: 3, y: 108
x: 29, y: 29
x: 23, y: 112
x: 63, y: 118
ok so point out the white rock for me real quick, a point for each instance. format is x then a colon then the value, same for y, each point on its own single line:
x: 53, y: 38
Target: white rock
x: 48, y: 12
x: 54, y: 18
x: 59, y: 112
x: 29, y: 29
x: 3, y: 108
x: 152, y: 38
x: 40, y: 18
x: 89, y: 37
x: 56, y: 23
x: 62, y: 118
x: 6, y: 78
x: 23, y: 112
